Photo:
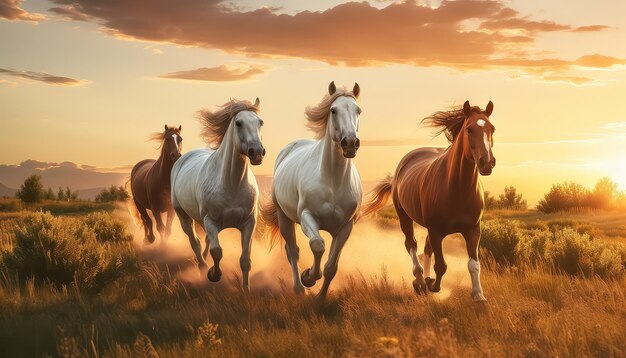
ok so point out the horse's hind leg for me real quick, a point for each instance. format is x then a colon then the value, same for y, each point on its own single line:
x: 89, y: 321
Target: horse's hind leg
x: 147, y: 222
x: 428, y: 254
x: 288, y: 231
x: 440, y: 263
x: 330, y: 269
x: 168, y: 223
x: 187, y: 224
x: 158, y: 218
x: 406, y: 224
x: 213, y: 242
x: 311, y: 229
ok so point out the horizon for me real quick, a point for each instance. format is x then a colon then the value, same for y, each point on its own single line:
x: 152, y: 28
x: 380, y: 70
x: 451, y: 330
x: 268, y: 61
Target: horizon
x: 91, y: 87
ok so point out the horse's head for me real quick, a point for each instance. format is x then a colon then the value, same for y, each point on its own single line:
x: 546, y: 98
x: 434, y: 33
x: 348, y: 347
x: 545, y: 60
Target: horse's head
x: 248, y: 130
x: 478, y: 132
x: 172, y: 142
x: 344, y: 120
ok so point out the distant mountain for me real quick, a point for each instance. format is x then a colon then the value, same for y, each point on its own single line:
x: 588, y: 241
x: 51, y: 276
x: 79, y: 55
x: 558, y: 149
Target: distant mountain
x: 6, y: 191
x: 64, y: 174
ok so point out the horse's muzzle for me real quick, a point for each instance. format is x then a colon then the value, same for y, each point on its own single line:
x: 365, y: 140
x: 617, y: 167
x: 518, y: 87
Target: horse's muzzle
x: 349, y: 146
x: 256, y: 155
x: 486, y: 167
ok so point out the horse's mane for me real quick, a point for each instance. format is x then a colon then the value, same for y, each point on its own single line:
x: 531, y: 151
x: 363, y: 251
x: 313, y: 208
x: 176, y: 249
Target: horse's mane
x: 448, y: 122
x: 160, y: 136
x: 317, y: 117
x: 215, y: 124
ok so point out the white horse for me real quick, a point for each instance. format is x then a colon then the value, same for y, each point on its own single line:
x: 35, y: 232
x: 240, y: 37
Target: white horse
x: 216, y: 188
x: 317, y: 186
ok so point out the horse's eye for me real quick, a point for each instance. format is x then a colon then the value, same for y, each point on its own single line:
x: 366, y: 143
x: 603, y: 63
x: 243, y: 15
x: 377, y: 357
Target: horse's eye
x: 333, y: 111
x: 469, y: 130
x: 358, y: 111
x: 238, y: 123
x: 261, y: 123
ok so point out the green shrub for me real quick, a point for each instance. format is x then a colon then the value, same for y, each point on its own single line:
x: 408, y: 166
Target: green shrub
x: 500, y: 238
x: 66, y: 251
x: 107, y: 228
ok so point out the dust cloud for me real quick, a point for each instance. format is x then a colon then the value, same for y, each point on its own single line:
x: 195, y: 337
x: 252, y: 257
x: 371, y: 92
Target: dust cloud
x: 371, y: 251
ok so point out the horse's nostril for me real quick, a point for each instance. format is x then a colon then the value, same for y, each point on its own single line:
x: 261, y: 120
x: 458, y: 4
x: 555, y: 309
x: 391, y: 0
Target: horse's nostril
x: 250, y: 152
x: 263, y: 152
x: 344, y: 143
x: 357, y: 143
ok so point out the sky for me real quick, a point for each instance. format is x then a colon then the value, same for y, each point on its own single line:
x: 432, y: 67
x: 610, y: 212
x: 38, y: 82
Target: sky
x: 87, y: 81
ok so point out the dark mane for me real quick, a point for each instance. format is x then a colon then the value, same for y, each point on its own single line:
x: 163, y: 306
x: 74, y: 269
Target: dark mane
x: 215, y: 124
x: 448, y: 122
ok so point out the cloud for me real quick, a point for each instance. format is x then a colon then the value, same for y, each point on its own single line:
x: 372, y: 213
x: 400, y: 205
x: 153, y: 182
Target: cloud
x: 11, y: 10
x: 41, y: 77
x: 223, y: 73
x: 349, y: 34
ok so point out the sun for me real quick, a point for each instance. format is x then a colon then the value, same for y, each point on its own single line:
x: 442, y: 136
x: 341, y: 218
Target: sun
x: 617, y: 172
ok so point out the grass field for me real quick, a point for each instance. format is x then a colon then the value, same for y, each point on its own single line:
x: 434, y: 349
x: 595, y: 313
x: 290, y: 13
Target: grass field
x: 81, y: 285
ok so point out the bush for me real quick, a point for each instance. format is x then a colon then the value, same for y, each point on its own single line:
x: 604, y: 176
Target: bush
x: 9, y: 205
x: 106, y: 228
x: 564, y: 196
x: 509, y: 200
x: 500, y: 238
x: 66, y: 251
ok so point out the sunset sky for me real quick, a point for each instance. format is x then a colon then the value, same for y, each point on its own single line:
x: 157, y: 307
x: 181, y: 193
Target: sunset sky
x: 87, y: 80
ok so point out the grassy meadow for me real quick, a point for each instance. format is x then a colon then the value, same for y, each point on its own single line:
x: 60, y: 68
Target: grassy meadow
x: 75, y: 282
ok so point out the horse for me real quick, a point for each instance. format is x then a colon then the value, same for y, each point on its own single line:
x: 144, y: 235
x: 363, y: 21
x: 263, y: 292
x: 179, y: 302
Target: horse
x: 440, y: 190
x: 216, y: 188
x: 317, y: 186
x: 150, y: 184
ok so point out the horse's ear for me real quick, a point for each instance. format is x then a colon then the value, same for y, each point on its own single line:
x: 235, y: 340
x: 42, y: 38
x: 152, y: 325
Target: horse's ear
x: 356, y: 90
x: 180, y: 127
x: 166, y: 128
x: 467, y: 109
x: 489, y: 109
x: 257, y: 102
x: 331, y: 88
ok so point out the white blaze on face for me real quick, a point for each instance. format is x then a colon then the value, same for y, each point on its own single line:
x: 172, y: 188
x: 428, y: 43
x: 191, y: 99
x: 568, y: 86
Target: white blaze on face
x: 480, y: 122
x: 175, y: 140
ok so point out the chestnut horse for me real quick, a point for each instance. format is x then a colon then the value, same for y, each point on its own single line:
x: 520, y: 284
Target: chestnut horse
x: 439, y: 189
x: 150, y: 184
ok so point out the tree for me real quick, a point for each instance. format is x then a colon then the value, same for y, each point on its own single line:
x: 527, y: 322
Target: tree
x: 61, y: 194
x: 31, y: 191
x: 113, y: 193
x: 49, y: 194
x: 490, y: 201
x: 604, y: 194
x: 511, y: 200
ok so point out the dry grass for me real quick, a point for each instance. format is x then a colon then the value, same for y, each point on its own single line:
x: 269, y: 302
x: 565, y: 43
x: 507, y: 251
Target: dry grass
x: 149, y: 311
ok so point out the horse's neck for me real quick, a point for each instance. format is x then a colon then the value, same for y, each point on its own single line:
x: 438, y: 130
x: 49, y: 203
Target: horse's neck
x: 334, y: 166
x: 233, y: 166
x: 163, y: 166
x: 462, y: 175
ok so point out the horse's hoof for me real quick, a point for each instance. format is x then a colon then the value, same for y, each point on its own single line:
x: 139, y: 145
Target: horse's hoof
x: 420, y: 287
x: 478, y: 297
x: 214, y: 274
x: 149, y: 239
x: 308, y: 280
x: 430, y: 283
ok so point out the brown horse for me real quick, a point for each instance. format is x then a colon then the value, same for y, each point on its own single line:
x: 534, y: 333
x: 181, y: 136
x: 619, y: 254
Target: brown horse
x: 439, y: 189
x: 150, y: 184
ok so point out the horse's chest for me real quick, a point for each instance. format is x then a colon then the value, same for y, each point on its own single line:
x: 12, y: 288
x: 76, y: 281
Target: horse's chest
x: 230, y: 210
x: 336, y: 211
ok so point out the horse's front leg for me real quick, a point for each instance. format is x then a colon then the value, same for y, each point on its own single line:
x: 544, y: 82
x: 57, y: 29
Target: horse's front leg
x: 436, y: 239
x: 246, y: 242
x: 311, y: 229
x: 212, y: 241
x: 330, y: 269
x: 472, y: 239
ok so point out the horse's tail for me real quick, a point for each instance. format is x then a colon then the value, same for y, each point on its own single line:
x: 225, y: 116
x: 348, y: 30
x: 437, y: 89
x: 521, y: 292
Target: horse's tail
x: 378, y: 197
x: 132, y: 208
x: 269, y: 219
